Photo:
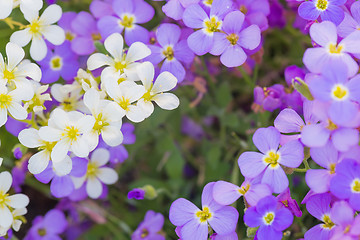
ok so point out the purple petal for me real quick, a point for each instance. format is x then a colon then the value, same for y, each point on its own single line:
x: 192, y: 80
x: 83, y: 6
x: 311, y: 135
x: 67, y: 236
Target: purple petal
x: 69, y: 70
x: 156, y: 54
x: 323, y: 33
x: 79, y: 166
x: 220, y: 8
x: 168, y: 34
x: 318, y: 180
x: 61, y: 186
x: 108, y: 25
x: 207, y: 197
x: 288, y: 121
x: 225, y: 193
x: 354, y: 88
x: 84, y: 24
x: 355, y: 11
x: 351, y: 43
x: 283, y: 219
x: 308, y: 11
x: 183, y: 53
x: 194, y: 16
x: 267, y: 232
x: 55, y: 222
x: 266, y: 139
x: 174, y: 67
x: 333, y: 14
x: 314, y: 135
x: 251, y: 164
x: 315, y: 59
x: 233, y: 22
x: 355, y: 201
x: 200, y: 43
x: 182, y: 211
x: 291, y: 154
x: 194, y: 230
x: 220, y: 44
x: 318, y: 233
x: 100, y: 8
x: 319, y: 204
x: 233, y: 56
x: 342, y: 112
x: 173, y: 9
x: 276, y: 179
x: 342, y: 214
x: 143, y: 11
x: 123, y: 6
x: 257, y: 192
x: 325, y: 156
x: 252, y: 218
x: 345, y: 138
x: 82, y: 46
x: 224, y: 220
x: 136, y: 34
x: 250, y: 37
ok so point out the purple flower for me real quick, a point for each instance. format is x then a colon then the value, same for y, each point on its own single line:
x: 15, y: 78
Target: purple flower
x: 61, y: 62
x: 347, y: 227
x: 149, y: 228
x: 319, y: 206
x: 226, y: 193
x: 194, y: 222
x: 48, y: 227
x: 256, y: 12
x: 270, y: 98
x: 270, y: 220
x: 171, y: 51
x: 101, y: 8
x: 351, y: 22
x: 175, y: 8
x: 128, y: 14
x: 267, y: 163
x: 65, y: 23
x: 234, y: 38
x: 284, y: 200
x: 325, y: 36
x: 136, y: 193
x: 346, y: 183
x: 202, y: 41
x: 17, y: 153
x: 327, y: 10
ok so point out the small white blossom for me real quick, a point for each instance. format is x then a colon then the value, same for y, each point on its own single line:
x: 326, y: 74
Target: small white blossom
x: 36, y: 104
x: 69, y: 100
x: 11, y: 101
x: 6, y: 6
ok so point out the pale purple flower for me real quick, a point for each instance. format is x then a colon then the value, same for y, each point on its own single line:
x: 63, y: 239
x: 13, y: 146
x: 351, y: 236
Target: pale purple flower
x: 270, y: 98
x: 175, y: 8
x: 347, y: 227
x: 351, y: 22
x: 256, y: 12
x: 149, y: 228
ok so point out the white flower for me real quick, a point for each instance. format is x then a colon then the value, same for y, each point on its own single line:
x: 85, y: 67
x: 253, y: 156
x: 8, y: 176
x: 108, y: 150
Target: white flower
x: 38, y: 29
x: 108, y: 122
x: 10, y: 101
x: 155, y: 91
x: 15, y: 71
x: 39, y: 161
x: 97, y: 174
x: 69, y: 100
x: 125, y: 94
x: 36, y: 104
x: 1, y: 161
x: 17, y: 221
x: 16, y: 201
x: 86, y: 80
x: 119, y: 62
x: 6, y: 6
x: 67, y: 129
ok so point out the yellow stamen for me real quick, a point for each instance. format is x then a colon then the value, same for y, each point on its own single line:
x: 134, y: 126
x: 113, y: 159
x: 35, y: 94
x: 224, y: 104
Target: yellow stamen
x: 127, y: 21
x: 340, y: 92
x: 204, y: 215
x: 355, y: 186
x: 212, y: 25
x: 269, y: 218
x: 327, y: 222
x: 335, y: 49
x: 169, y: 53
x: 233, y: 38
x: 56, y: 63
x: 244, y: 189
x: 124, y: 103
x: 5, y: 100
x: 322, y: 5
x: 272, y: 158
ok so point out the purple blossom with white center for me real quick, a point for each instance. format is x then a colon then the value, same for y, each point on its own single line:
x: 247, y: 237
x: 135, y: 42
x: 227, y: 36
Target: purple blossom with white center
x: 347, y: 227
x: 226, y: 193
x: 62, y: 62
x: 256, y: 12
x: 267, y: 163
x: 150, y: 227
x: 230, y: 43
x: 333, y: 86
x: 175, y: 8
x: 136, y: 193
x: 128, y: 14
x: 325, y: 36
x: 327, y: 157
x: 172, y: 51
x: 351, y: 22
x: 194, y: 222
x: 270, y: 220
x: 48, y: 227
x: 86, y: 33
x: 346, y: 183
x: 284, y: 200
x: 202, y: 41
x: 319, y: 207
x: 327, y: 10
x: 270, y: 98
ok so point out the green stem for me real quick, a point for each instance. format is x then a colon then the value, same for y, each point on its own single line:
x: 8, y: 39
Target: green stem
x: 300, y: 169
x: 247, y: 77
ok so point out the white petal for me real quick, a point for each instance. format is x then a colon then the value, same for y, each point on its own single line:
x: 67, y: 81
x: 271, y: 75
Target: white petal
x: 86, y: 123
x: 114, y: 45
x: 30, y: 138
x: 107, y: 175
x: 38, y: 162
x: 146, y: 73
x: 92, y: 139
x: 21, y: 38
x: 167, y: 101
x: 78, y: 182
x: 135, y: 114
x: 93, y: 188
x: 31, y: 70
x: 113, y: 112
x: 3, y: 116
x: 146, y: 106
x: 14, y: 54
x: 112, y: 136
x: 5, y: 181
x: 16, y: 225
x: 51, y: 15
x: 17, y: 111
x: 80, y: 147
x: 57, y: 92
x: 18, y: 200
x: 38, y: 49
x: 6, y: 218
x: 100, y: 156
x: 97, y: 60
x: 136, y: 52
x: 6, y: 7
x: 132, y: 91
x: 34, y: 5
x: 164, y: 82
x: 60, y: 151
x: 92, y: 99
x: 50, y: 134
x: 60, y: 118
x: 63, y: 167
x: 54, y: 34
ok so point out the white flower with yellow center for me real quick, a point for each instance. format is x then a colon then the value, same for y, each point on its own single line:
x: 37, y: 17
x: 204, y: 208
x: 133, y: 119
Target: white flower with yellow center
x: 10, y: 101
x: 69, y: 98
x: 96, y: 173
x: 18, y: 216
x: 6, y: 6
x: 36, y: 104
x: 15, y: 71
x: 108, y: 120
x: 16, y: 201
x: 119, y: 63
x: 155, y: 90
x: 39, y: 29
x: 125, y: 94
x: 39, y: 161
x: 67, y: 129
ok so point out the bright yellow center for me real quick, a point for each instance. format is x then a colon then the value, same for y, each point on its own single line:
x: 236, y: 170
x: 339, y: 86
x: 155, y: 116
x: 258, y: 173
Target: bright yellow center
x: 69, y: 36
x: 5, y: 100
x: 100, y: 122
x: 147, y: 96
x: 169, y: 53
x: 127, y: 21
x: 208, y: 2
x: 3, y: 199
x: 69, y: 104
x: 335, y: 49
x: 332, y: 168
x: 244, y: 189
x: 322, y: 5
x: 233, y: 38
x: 340, y: 92
x: 56, y: 63
x: 35, y: 27
x: 269, y: 218
x: 327, y: 222
x: 331, y: 125
x: 272, y: 158
x: 212, y: 25
x: 9, y: 75
x: 124, y: 103
x: 71, y: 133
x: 92, y: 170
x: 144, y: 233
x: 120, y: 66
x: 96, y: 36
x: 355, y: 186
x: 47, y: 146
x: 204, y: 215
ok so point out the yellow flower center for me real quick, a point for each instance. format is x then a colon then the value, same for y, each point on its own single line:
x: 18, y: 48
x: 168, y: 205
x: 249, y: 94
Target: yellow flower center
x: 233, y: 38
x: 71, y: 133
x: 144, y: 233
x: 42, y: 232
x: 92, y: 170
x: 208, y: 2
x: 5, y: 100
x: 35, y: 27
x: 269, y: 218
x: 69, y: 36
x: 272, y: 158
x: 147, y: 96
x: 322, y: 5
x: 204, y: 215
x: 244, y: 189
x: 100, y: 122
x: 332, y: 168
x: 169, y: 53
x: 212, y: 25
x: 120, y: 66
x: 56, y: 63
x: 355, y: 186
x: 47, y: 146
x: 327, y: 222
x: 331, y: 125
x: 124, y: 103
x: 3, y: 199
x: 96, y: 36
x: 335, y: 49
x: 8, y: 75
x: 243, y: 9
x: 340, y: 92
x: 69, y: 104
x: 127, y: 21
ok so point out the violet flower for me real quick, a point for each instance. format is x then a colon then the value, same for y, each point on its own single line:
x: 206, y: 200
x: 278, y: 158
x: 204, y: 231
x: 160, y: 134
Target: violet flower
x: 149, y: 228
x: 347, y: 227
x: 256, y: 12
x: 270, y: 98
x: 136, y: 193
x: 284, y: 200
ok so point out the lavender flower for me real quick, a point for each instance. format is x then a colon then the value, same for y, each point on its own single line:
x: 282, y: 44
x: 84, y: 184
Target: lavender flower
x: 284, y: 200
x: 270, y: 98
x: 347, y: 227
x: 136, y: 193
x: 149, y: 228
